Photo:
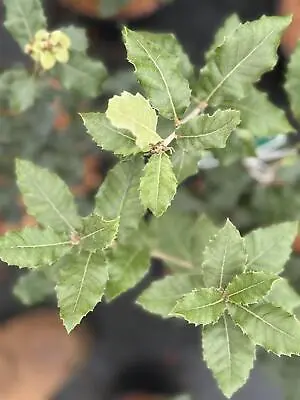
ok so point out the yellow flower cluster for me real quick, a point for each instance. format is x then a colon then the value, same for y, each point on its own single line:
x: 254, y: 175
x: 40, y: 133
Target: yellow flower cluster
x: 47, y: 48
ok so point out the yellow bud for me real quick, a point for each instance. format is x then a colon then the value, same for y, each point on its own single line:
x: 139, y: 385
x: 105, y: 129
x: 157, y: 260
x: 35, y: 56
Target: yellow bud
x: 47, y: 60
x: 60, y: 38
x: 28, y: 49
x: 61, y: 55
x: 41, y: 35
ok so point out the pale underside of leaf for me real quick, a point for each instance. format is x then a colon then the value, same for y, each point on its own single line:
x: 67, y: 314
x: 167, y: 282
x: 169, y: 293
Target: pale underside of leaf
x: 134, y: 113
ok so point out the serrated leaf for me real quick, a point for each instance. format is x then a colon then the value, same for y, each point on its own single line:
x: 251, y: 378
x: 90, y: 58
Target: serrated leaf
x: 161, y: 297
x: 33, y: 247
x: 185, y: 163
x: 107, y: 136
x: 208, y: 131
x: 47, y: 197
x: 81, y: 284
x: 161, y: 70
x: 269, y: 248
x: 249, y: 287
x: 292, y: 85
x: 118, y: 196
x: 158, y: 184
x: 227, y: 29
x: 228, y: 353
x: 224, y: 257
x: 97, y: 233
x: 33, y: 288
x: 134, y: 113
x: 203, y: 306
x: 248, y: 53
x: 259, y: 116
x: 80, y: 68
x: 283, y: 295
x: 23, y: 19
x: 79, y: 40
x: 126, y: 267
x: 268, y: 326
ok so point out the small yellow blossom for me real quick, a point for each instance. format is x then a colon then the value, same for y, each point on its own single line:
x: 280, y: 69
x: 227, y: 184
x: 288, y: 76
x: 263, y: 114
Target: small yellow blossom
x: 48, y: 48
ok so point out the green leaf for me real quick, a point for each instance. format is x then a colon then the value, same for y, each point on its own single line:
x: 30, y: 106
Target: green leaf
x: 208, y: 131
x: 269, y: 248
x: 224, y: 257
x: 179, y: 240
x: 249, y: 287
x: 81, y: 284
x: 127, y: 265
x: 134, y: 113
x: 158, y: 184
x: 259, y: 116
x: 292, y: 85
x: 107, y: 136
x: 161, y: 70
x: 228, y: 353
x: 98, y: 234
x: 19, y: 89
x: 229, y: 27
x: 202, y: 306
x: 118, y: 196
x: 185, y: 163
x: 79, y: 40
x: 162, y: 296
x: 247, y: 54
x: 33, y: 247
x: 47, y: 197
x: 203, y: 231
x: 283, y: 295
x: 268, y: 326
x: 169, y: 243
x: 82, y: 74
x: 33, y: 288
x: 23, y: 19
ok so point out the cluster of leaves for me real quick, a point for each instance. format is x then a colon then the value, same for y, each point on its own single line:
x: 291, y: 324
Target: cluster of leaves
x: 38, y: 108
x: 227, y: 283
